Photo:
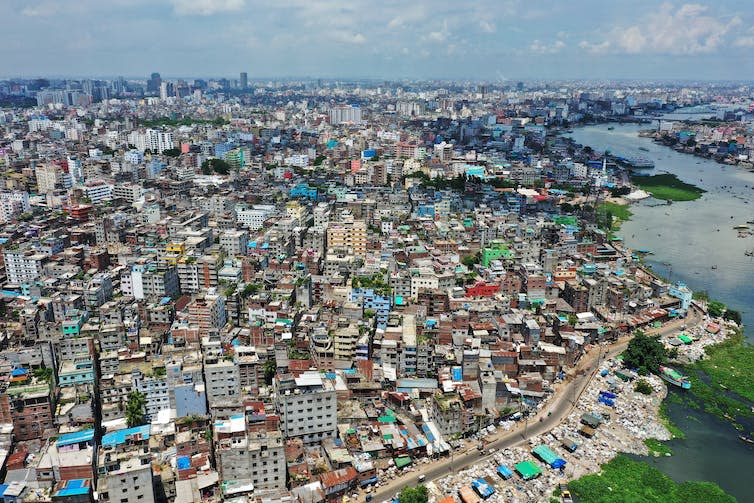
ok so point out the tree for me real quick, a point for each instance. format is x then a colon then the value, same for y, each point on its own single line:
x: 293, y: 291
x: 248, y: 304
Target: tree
x: 715, y: 308
x: 418, y: 494
x: 249, y: 290
x: 135, y: 409
x: 470, y: 260
x: 172, y: 152
x: 643, y: 387
x: 219, y: 166
x: 270, y: 369
x: 644, y: 353
x: 732, y: 315
x: 573, y: 320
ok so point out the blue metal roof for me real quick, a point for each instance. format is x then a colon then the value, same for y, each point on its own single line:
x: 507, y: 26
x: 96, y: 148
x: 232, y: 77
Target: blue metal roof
x: 119, y: 437
x: 75, y: 438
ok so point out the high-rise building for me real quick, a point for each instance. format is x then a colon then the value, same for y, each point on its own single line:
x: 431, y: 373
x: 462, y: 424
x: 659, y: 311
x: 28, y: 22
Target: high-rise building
x: 244, y: 80
x: 307, y: 406
x: 345, y: 114
x: 154, y: 82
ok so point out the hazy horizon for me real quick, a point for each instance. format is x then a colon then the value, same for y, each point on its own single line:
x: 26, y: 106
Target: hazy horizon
x: 486, y: 40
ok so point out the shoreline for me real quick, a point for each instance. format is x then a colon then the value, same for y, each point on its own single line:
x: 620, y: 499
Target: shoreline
x: 637, y: 420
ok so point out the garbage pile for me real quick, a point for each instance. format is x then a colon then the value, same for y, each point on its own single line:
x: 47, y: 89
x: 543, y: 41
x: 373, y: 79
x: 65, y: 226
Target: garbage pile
x: 624, y: 425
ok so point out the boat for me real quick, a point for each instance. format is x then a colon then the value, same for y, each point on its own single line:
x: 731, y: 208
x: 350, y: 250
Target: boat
x: 610, y: 128
x: 746, y: 439
x: 714, y: 267
x: 674, y: 377
x: 645, y: 149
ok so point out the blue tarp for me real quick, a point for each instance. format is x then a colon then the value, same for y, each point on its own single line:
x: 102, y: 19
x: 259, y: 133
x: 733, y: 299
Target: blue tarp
x: 184, y: 462
x: 504, y: 472
x: 369, y: 481
x: 483, y: 488
x: 607, y: 394
x: 19, y: 372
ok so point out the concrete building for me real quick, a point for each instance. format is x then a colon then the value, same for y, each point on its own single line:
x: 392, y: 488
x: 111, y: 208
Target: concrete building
x: 307, y: 406
x: 348, y: 234
x: 250, y: 457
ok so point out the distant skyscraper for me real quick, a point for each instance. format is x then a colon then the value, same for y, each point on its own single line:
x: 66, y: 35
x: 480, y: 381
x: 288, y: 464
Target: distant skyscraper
x: 153, y: 84
x: 244, y: 80
x: 345, y: 114
x: 520, y: 86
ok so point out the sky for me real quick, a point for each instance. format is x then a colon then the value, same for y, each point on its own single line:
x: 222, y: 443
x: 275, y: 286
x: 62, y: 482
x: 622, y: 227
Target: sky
x: 382, y: 39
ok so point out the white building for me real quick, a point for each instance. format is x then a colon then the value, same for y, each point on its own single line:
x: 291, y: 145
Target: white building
x: 131, y: 192
x: 75, y: 169
x: 253, y: 218
x: 234, y: 242
x: 298, y: 160
x: 98, y: 191
x: 345, y: 114
x: 23, y: 266
x: 13, y: 203
x: 307, y: 406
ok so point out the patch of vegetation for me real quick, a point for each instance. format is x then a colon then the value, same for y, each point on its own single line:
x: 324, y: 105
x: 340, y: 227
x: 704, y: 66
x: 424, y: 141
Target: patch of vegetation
x: 623, y: 479
x: 184, y: 121
x: 674, y: 430
x: 215, y: 165
x: 643, y: 387
x: 418, y: 494
x: 657, y: 447
x: 668, y: 187
x: 729, y: 366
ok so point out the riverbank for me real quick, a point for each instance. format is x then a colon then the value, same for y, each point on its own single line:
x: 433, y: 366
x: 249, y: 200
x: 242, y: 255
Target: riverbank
x: 623, y: 479
x: 625, y: 428
x: 689, y: 244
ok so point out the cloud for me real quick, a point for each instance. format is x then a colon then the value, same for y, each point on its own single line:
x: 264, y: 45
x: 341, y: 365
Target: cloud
x: 543, y: 48
x: 687, y: 30
x: 599, y: 48
x: 349, y: 38
x: 206, y: 7
x: 486, y: 26
x: 746, y: 40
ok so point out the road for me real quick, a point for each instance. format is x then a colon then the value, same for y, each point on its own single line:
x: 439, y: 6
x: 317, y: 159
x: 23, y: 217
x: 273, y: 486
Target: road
x: 567, y: 394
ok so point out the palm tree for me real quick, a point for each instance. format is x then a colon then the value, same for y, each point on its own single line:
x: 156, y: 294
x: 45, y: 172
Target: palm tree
x: 135, y: 409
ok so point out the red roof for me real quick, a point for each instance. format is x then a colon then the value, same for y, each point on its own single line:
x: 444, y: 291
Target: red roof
x: 338, y: 477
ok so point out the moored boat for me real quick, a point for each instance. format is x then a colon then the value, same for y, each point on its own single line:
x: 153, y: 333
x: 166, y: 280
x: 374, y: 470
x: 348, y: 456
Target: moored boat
x: 674, y: 377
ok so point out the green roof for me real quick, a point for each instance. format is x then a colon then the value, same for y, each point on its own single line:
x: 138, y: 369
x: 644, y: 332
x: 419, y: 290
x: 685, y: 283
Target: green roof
x: 402, y: 461
x: 528, y: 470
x: 545, y: 454
x: 386, y: 419
x: 685, y: 339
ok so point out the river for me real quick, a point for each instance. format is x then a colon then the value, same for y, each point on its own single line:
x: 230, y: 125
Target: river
x: 687, y: 239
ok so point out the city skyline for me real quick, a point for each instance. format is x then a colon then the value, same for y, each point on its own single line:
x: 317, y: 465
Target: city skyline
x: 439, y: 40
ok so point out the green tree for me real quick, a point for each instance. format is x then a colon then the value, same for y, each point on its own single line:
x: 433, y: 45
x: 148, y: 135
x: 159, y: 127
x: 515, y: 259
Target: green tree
x: 219, y: 166
x: 270, y: 369
x: 470, y: 260
x: 715, y: 308
x: 573, y: 320
x: 643, y: 387
x: 135, y: 409
x: 418, y: 494
x: 172, y: 152
x: 644, y: 353
x: 732, y: 315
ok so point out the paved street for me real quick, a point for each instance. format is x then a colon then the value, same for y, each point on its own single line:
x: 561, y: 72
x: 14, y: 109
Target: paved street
x: 558, y: 408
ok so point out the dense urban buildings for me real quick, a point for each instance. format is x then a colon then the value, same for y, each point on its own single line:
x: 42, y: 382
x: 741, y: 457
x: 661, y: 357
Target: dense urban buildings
x: 285, y: 291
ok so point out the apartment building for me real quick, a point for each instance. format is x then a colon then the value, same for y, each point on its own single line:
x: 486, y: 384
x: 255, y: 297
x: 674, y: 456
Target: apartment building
x: 307, y: 406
